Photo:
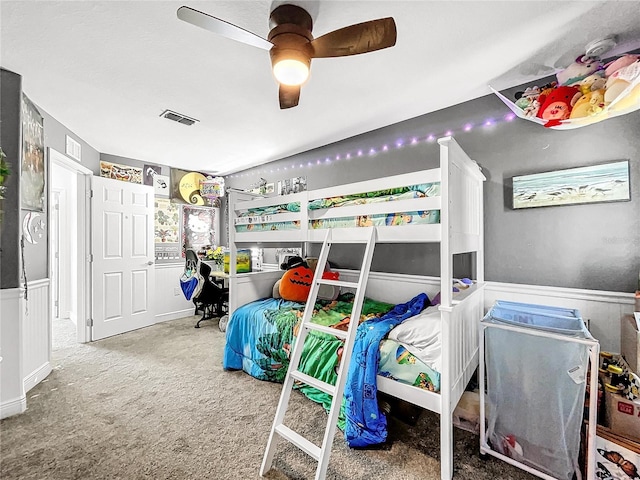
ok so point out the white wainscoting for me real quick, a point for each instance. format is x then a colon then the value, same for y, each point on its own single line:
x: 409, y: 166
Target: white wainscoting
x: 12, y: 396
x: 601, y: 310
x: 36, y: 333
x: 170, y: 301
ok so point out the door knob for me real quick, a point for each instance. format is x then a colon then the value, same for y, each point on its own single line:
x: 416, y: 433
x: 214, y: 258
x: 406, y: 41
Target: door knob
x: 149, y: 262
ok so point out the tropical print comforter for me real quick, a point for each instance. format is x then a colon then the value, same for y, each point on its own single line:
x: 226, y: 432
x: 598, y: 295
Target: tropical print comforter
x: 260, y: 337
x: 422, y: 217
x: 377, y: 196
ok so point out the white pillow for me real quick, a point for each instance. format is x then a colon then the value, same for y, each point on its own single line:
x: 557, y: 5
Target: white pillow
x: 420, y: 335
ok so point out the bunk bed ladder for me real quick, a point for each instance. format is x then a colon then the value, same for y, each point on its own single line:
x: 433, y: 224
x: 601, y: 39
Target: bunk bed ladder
x: 321, y: 454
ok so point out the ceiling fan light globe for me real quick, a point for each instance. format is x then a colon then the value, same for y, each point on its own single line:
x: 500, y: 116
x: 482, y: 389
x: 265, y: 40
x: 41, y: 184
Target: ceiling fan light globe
x: 291, y: 72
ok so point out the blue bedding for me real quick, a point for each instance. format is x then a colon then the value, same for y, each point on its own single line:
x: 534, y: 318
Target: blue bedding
x: 260, y: 337
x: 259, y: 343
x: 365, y: 424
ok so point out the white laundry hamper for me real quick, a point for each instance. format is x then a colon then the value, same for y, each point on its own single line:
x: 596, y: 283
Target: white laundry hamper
x: 536, y: 369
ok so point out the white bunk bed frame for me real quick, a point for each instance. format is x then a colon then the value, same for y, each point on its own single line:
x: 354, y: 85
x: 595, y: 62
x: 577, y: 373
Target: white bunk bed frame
x: 460, y: 230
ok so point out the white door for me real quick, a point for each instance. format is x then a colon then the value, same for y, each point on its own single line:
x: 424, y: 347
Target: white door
x: 123, y: 257
x: 54, y: 243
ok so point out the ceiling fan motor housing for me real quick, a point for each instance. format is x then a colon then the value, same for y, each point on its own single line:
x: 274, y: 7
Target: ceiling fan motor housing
x: 291, y: 35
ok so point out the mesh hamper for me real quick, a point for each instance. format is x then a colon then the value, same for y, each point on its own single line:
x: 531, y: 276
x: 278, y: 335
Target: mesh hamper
x: 536, y: 385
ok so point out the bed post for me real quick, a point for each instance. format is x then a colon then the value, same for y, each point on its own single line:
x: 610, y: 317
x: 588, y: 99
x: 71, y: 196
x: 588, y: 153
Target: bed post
x: 231, y: 215
x: 446, y: 288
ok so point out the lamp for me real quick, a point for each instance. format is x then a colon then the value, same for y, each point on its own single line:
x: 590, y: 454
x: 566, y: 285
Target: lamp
x: 291, y: 72
x: 291, y: 53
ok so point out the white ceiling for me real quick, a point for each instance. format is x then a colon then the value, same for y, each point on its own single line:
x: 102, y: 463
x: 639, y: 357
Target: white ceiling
x: 108, y: 69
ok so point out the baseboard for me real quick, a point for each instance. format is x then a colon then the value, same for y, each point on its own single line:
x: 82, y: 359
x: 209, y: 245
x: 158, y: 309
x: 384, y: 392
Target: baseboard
x: 165, y: 317
x: 37, y: 376
x: 13, y: 407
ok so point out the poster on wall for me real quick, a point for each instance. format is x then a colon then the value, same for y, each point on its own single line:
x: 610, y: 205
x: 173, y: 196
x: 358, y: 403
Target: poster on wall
x: 166, y: 221
x: 150, y: 171
x: 32, y: 177
x: 167, y: 230
x: 185, y: 186
x: 161, y: 185
x: 124, y: 173
x: 198, y: 227
x: 292, y: 185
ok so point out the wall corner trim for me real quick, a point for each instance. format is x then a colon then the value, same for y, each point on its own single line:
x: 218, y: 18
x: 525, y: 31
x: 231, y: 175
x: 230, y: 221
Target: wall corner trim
x: 37, y: 376
x: 13, y: 407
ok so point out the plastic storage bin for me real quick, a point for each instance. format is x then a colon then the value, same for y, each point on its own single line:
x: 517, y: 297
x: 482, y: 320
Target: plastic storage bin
x: 536, y: 360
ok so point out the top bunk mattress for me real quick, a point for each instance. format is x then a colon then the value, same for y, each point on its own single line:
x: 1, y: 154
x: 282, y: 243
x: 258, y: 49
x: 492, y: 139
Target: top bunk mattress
x: 288, y: 216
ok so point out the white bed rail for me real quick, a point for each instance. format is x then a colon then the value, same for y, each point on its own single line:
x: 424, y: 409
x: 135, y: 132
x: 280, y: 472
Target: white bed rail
x: 248, y: 287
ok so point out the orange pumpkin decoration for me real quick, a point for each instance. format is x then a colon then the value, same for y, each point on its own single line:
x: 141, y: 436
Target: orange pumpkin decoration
x: 295, y: 284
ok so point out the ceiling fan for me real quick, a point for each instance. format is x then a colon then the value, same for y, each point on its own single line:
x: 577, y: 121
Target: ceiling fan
x: 292, y: 46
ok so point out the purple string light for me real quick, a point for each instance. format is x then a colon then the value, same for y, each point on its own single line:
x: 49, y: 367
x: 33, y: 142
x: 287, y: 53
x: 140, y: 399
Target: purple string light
x: 399, y: 143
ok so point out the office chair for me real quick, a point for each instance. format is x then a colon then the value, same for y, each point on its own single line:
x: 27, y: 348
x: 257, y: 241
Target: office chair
x: 210, y: 298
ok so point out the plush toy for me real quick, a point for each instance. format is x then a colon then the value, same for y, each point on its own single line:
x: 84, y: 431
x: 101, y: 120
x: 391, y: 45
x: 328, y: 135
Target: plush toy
x: 620, y: 80
x: 593, y: 82
x: 523, y: 99
x: 557, y: 106
x: 295, y: 284
x: 588, y: 105
x: 578, y: 70
x: 619, y: 63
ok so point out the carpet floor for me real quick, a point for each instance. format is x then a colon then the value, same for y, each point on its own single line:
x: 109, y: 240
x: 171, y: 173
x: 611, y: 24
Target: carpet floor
x: 155, y: 403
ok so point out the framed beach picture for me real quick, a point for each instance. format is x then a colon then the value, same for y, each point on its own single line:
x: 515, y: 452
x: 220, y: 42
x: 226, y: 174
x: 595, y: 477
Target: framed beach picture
x: 607, y: 182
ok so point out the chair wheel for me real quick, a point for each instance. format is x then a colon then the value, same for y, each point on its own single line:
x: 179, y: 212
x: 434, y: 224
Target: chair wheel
x: 222, y: 324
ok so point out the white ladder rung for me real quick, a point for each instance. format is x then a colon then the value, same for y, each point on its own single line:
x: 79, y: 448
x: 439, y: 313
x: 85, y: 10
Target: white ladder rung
x: 299, y: 441
x: 331, y: 331
x: 314, y: 382
x: 338, y: 283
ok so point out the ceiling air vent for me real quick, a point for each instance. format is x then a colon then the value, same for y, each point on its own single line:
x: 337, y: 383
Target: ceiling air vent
x: 178, y: 117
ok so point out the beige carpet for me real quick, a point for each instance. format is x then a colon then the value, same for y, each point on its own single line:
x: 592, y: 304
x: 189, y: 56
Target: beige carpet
x: 156, y: 404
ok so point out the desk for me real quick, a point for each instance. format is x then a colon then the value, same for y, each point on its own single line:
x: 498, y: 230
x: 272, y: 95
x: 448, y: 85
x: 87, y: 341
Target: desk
x: 220, y: 278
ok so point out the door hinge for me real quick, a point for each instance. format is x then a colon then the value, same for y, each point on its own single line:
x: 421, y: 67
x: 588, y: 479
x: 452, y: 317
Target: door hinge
x: 90, y: 193
x: 90, y: 258
x: 55, y: 304
x: 89, y: 322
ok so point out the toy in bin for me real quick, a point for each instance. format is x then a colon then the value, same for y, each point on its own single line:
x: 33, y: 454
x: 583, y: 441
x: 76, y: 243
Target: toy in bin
x: 510, y: 447
x: 618, y: 378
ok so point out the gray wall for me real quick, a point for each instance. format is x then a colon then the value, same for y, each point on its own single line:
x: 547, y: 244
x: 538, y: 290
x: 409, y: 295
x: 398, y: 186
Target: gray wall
x: 10, y: 135
x: 55, y: 136
x: 581, y: 246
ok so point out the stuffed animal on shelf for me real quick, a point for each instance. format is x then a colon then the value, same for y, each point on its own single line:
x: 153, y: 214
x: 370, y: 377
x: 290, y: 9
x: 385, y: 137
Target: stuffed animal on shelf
x: 589, y: 105
x: 620, y: 80
x: 620, y: 62
x: 578, y: 70
x: 595, y: 81
x: 557, y: 105
x: 528, y: 100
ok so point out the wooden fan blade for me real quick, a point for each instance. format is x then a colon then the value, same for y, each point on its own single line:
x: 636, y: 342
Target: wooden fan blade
x: 289, y: 96
x: 355, y: 39
x: 226, y: 29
